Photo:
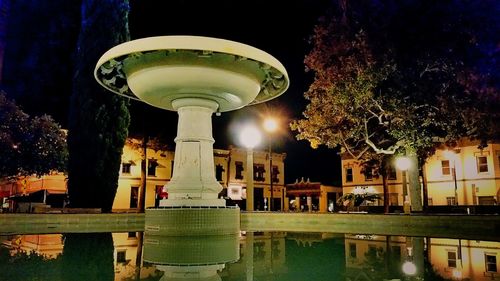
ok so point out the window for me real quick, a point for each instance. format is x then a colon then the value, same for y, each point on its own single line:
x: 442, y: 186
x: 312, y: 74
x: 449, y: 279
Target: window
x: 152, y: 164
x: 159, y: 194
x: 450, y: 201
x: 239, y: 170
x: 368, y: 174
x: 452, y: 259
x: 393, y: 199
x: 132, y: 235
x: 276, y: 172
x: 218, y: 172
x: 348, y: 174
x: 352, y: 250
x: 259, y: 250
x: 391, y: 173
x: 134, y: 196
x: 491, y: 262
x: 376, y: 202
x: 121, y: 256
x: 126, y: 168
x: 275, y: 247
x: 445, y: 167
x: 372, y: 249
x: 482, y: 164
x: 396, y: 252
x: 486, y: 200
x: 258, y: 172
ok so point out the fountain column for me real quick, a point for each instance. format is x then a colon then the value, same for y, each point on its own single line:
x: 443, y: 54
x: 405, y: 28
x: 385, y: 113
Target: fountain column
x: 193, y: 182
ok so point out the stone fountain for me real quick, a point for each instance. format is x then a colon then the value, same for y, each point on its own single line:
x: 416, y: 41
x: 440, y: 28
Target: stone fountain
x: 195, y: 76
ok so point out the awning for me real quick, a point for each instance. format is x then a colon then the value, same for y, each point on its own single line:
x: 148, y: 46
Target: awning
x: 4, y: 193
x: 303, y: 192
x: 33, y: 191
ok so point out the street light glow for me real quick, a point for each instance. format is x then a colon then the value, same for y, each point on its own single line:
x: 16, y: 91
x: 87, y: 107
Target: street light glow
x: 403, y: 163
x: 250, y: 136
x: 270, y: 125
x: 409, y: 268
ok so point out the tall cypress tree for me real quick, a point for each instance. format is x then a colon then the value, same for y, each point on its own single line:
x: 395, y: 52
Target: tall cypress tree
x: 98, y: 120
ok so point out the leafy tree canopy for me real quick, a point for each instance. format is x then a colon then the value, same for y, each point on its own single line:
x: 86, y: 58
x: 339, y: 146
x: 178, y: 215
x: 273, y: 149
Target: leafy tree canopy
x: 29, y: 145
x: 397, y: 75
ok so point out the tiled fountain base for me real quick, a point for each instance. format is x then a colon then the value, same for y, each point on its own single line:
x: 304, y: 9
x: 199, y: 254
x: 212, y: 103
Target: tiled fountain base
x: 180, y: 221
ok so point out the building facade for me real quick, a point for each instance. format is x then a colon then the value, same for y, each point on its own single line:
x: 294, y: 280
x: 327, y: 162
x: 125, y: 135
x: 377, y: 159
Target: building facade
x: 230, y: 170
x: 466, y: 175
x: 310, y: 196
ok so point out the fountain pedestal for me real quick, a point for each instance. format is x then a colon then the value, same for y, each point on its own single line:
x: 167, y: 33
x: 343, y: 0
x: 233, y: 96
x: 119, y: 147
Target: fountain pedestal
x: 193, y: 182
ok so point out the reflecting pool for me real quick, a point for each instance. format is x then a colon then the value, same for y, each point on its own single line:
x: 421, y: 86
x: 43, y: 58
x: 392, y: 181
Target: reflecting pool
x: 249, y: 256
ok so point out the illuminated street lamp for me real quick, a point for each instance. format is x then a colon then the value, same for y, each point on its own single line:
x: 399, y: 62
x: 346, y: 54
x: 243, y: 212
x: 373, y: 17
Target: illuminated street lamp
x: 250, y: 137
x: 452, y: 156
x: 409, y: 267
x: 403, y: 163
x: 270, y: 126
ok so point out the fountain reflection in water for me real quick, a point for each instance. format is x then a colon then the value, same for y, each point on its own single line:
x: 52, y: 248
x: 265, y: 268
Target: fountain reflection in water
x: 191, y: 258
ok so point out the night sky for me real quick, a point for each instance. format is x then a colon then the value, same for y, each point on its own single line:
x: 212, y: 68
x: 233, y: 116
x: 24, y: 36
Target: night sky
x: 280, y: 28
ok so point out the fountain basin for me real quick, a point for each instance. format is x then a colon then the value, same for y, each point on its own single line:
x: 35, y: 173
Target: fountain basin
x: 159, y: 70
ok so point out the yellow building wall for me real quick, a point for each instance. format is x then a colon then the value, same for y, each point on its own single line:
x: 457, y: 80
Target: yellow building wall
x: 471, y: 184
x: 472, y: 265
x: 127, y: 180
x: 262, y: 158
x: 225, y: 158
x: 395, y: 186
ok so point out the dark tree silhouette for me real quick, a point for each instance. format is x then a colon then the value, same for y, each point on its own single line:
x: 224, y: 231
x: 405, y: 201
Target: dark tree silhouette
x: 88, y: 256
x: 98, y: 119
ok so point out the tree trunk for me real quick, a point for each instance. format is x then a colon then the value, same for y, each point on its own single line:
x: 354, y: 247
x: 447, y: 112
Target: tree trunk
x: 424, y: 188
x: 414, y: 184
x: 386, y: 194
x: 142, y: 191
x: 138, y: 256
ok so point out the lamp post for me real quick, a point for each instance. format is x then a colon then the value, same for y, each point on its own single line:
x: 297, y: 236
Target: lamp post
x: 250, y: 137
x: 403, y: 163
x: 270, y: 126
x: 450, y: 155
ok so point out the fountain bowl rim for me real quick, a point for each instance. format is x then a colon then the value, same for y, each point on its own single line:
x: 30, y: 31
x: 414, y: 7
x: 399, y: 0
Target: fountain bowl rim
x: 190, y: 43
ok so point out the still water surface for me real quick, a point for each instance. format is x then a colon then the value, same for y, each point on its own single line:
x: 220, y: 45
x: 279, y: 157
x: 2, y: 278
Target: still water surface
x: 289, y: 256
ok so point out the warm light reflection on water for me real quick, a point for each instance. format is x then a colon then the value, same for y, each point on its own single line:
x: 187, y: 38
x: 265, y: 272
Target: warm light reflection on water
x: 252, y: 256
